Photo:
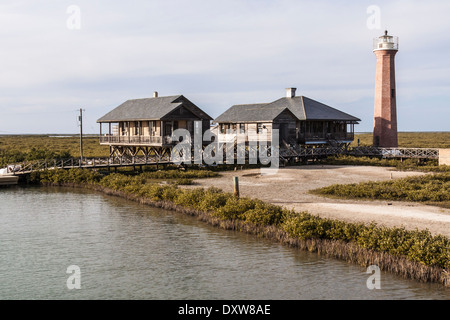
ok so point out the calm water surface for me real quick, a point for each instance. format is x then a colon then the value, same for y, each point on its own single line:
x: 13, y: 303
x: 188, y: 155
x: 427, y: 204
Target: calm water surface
x: 129, y: 251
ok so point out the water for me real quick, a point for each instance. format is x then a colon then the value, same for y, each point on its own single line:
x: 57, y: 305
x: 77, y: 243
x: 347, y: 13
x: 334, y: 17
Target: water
x: 129, y: 251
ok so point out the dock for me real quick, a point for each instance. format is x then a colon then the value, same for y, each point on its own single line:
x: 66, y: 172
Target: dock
x: 7, y: 180
x: 25, y: 168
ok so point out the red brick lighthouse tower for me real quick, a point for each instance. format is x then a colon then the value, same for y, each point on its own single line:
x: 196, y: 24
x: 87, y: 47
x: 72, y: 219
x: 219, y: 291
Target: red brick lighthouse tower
x: 385, y: 116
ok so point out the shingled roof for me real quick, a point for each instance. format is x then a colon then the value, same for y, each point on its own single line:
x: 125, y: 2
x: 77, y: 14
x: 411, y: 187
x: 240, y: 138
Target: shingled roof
x: 251, y: 113
x: 302, y: 107
x: 151, y: 109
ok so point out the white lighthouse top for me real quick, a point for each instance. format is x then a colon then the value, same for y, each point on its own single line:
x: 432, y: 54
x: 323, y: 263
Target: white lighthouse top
x: 385, y: 42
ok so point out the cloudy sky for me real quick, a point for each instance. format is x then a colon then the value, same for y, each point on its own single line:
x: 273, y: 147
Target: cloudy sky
x: 59, y: 56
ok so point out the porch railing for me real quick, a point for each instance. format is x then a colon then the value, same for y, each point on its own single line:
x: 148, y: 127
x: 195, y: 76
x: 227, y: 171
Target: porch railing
x: 133, y: 140
x: 327, y: 136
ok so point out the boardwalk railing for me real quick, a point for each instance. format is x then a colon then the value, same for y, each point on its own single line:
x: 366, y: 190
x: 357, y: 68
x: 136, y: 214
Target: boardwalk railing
x: 28, y: 167
x: 132, y: 140
x: 310, y: 152
x: 416, y: 153
x: 286, y: 153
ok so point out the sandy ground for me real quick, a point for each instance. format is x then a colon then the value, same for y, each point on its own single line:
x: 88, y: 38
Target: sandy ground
x: 289, y: 188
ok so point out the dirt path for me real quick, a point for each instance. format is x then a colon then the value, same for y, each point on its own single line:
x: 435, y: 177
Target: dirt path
x: 289, y: 188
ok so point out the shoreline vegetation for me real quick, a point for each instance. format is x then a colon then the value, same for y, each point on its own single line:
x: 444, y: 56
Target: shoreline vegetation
x: 431, y: 189
x: 415, y: 254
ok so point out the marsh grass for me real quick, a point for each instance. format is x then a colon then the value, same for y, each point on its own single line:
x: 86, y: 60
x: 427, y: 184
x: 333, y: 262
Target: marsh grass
x: 431, y: 189
x: 18, y: 148
x: 439, y: 140
x: 55, y: 143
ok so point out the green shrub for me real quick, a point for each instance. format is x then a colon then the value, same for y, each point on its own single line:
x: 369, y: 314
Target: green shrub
x: 177, y: 174
x: 181, y: 182
x: 66, y: 176
x: 213, y: 199
x: 427, y: 188
x: 190, y: 197
x: 235, y: 207
x: 265, y: 214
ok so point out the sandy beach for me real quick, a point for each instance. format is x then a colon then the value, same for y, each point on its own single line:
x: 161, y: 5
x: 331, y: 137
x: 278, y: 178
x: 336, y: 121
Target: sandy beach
x: 289, y: 188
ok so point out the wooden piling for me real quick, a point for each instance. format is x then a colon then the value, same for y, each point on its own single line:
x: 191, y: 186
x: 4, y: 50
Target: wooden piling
x: 236, y: 186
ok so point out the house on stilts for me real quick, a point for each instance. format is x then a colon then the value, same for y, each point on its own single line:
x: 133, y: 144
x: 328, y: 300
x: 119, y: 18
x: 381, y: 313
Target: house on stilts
x: 300, y: 121
x: 145, y: 126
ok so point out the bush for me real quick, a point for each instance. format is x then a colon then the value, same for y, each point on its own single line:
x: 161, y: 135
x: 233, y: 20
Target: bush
x: 265, y: 214
x: 182, y: 182
x: 190, y: 198
x: 177, y: 174
x: 234, y: 208
x: 420, y: 246
x: 66, y: 176
x: 428, y: 188
x: 213, y: 199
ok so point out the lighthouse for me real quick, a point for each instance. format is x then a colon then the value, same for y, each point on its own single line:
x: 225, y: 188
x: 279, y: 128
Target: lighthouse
x: 385, y: 115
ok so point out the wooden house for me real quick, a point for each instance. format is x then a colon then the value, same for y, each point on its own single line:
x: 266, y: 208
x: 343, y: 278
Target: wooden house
x: 146, y: 125
x: 300, y: 120
x: 256, y: 119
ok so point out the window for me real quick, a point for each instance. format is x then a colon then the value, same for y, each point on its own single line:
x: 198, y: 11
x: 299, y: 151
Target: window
x: 124, y: 127
x: 225, y: 128
x: 319, y: 128
x: 260, y: 127
x: 150, y: 128
x: 242, y: 128
x: 302, y: 127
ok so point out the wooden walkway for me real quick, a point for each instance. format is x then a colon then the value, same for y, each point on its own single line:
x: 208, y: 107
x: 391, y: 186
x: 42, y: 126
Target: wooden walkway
x: 399, y: 153
x: 286, y: 154
x: 386, y: 153
x: 88, y: 163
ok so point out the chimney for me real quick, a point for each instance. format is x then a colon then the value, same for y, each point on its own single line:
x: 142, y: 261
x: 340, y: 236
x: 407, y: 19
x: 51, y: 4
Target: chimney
x: 290, y: 92
x: 155, y: 94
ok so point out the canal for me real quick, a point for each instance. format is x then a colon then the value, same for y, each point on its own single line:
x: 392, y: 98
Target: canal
x: 56, y: 240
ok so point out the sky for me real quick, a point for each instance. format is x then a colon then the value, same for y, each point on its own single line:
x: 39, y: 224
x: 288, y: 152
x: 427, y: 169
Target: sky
x: 59, y: 56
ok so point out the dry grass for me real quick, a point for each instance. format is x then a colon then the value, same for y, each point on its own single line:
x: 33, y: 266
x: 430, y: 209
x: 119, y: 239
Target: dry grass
x: 54, y: 143
x: 411, y: 139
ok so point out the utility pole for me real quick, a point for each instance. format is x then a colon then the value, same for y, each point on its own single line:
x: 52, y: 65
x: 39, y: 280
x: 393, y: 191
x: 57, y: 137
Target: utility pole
x: 80, y: 118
